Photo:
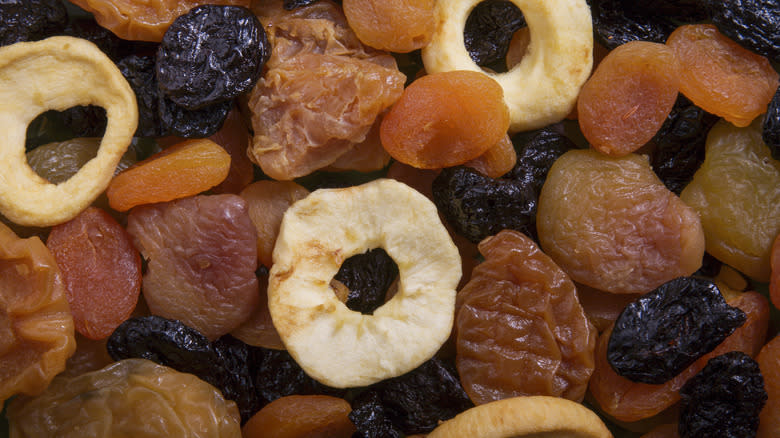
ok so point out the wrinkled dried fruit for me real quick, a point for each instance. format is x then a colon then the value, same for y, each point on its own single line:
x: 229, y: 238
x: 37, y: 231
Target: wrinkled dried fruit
x: 367, y: 276
x: 751, y: 23
x: 396, y: 26
x: 536, y: 153
x: 278, y: 375
x: 769, y: 361
x: 771, y: 127
x: 774, y: 279
x: 199, y: 123
x: 497, y: 160
x: 59, y: 161
x: 234, y: 137
x: 139, y: 72
x: 489, y: 30
x: 301, y: 416
x: 614, y: 24
x: 31, y: 20
x: 371, y: 418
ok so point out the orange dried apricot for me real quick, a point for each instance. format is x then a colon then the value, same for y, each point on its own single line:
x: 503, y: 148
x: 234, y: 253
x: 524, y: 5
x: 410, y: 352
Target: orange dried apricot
x: 496, y: 161
x: 301, y: 416
x: 394, y: 25
x: 720, y: 76
x: 182, y: 170
x: 628, y: 97
x: 445, y: 119
x: 769, y: 361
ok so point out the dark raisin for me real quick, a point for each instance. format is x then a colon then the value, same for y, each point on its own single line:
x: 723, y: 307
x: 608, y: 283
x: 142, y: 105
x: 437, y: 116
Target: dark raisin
x: 294, y: 4
x: 614, y: 25
x: 724, y: 399
x: 31, y: 20
x: 680, y: 144
x: 489, y: 29
x: 278, y: 375
x: 370, y: 418
x: 771, y: 127
x: 139, y: 72
x: 367, y: 276
x: 536, y: 153
x: 199, y: 123
x: 751, y: 23
x: 211, y: 54
x: 666, y: 330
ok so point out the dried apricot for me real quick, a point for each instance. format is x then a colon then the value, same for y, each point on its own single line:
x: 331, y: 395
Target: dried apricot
x: 769, y: 362
x: 101, y: 268
x: 628, y: 97
x: 365, y: 156
x: 301, y: 416
x: 445, y: 119
x: 182, y: 170
x: 90, y: 355
x: 602, y: 307
x: 720, y: 76
x: 497, y: 160
x: 396, y: 26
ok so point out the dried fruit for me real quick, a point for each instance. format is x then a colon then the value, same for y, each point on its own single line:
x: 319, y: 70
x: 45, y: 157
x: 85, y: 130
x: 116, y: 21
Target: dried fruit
x: 611, y: 224
x: 602, y: 308
x: 497, y: 160
x: 368, y: 277
x: 615, y: 24
x: 199, y: 123
x: 139, y: 72
x: 536, y: 153
x: 31, y: 20
x: 371, y: 418
x: 57, y: 162
x: 751, y: 23
x: 234, y: 137
x: 769, y: 361
x: 396, y: 26
x: 300, y: 416
x: 771, y: 126
x: 489, y: 28
x: 774, y: 279
x: 278, y: 375
x: 258, y: 330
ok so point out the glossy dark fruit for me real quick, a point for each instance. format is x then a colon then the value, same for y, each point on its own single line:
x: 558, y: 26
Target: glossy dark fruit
x: 211, y: 54
x: 614, y: 25
x: 724, y: 399
x: 199, y: 123
x: 771, y: 126
x: 536, y: 153
x: 751, y: 23
x: 681, y: 10
x: 278, y: 375
x: 139, y: 72
x: 367, y: 276
x: 489, y: 29
x: 237, y: 380
x: 294, y: 4
x: 666, y: 330
x: 31, y: 20
x: 478, y: 206
x: 370, y: 417
x: 680, y: 144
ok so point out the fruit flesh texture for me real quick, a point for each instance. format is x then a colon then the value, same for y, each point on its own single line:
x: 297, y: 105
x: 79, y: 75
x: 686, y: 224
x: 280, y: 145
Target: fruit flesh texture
x: 396, y: 26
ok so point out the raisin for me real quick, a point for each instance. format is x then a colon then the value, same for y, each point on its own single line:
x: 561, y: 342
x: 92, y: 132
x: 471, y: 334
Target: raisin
x: 237, y: 379
x: 371, y: 419
x: 771, y: 126
x: 536, y: 153
x: 489, y: 29
x: 668, y: 329
x: 399, y: 26
x: 301, y: 416
x: 278, y: 375
x: 520, y: 311
x: 139, y: 72
x: 724, y: 399
x: 113, y: 46
x: 615, y: 25
x: 294, y: 4
x: 31, y: 20
x: 199, y: 123
x: 751, y: 23
x: 477, y: 206
x: 367, y: 276
x: 211, y: 54
x: 710, y: 266
x: 769, y: 361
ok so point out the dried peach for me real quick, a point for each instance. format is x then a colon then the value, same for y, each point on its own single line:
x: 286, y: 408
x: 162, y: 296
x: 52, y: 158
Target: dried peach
x: 769, y: 362
x: 396, y: 26
x: 301, y: 416
x: 496, y: 161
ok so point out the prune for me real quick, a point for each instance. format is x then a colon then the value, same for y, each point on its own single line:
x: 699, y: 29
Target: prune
x: 211, y: 54
x: 478, y: 206
x: 31, y: 20
x: 679, y: 10
x: 769, y: 361
x: 771, y: 127
x: 199, y: 123
x: 278, y: 375
x: 679, y: 144
x: 370, y: 417
x: 139, y: 72
x: 774, y: 279
x: 668, y: 329
x: 236, y: 378
x: 724, y: 399
x: 751, y: 23
x: 489, y: 28
x: 298, y: 416
x: 710, y: 266
x: 399, y: 26
x: 615, y: 25
x: 86, y: 121
x: 294, y: 4
x: 367, y: 276
x: 113, y: 46
x: 536, y: 153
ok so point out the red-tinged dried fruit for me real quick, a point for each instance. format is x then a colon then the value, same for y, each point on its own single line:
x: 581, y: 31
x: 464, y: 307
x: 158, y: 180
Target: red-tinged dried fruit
x: 520, y: 311
x: 133, y: 397
x: 769, y: 361
x: 36, y: 327
x: 396, y: 26
x: 258, y: 330
x: 101, y: 268
x: 301, y: 416
x: 234, y: 138
x: 610, y: 223
x: 738, y: 184
x: 202, y: 257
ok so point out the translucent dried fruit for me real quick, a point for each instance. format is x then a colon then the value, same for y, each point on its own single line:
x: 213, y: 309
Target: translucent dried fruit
x: 602, y: 308
x: 300, y: 416
x: 628, y: 97
x: 101, y: 269
x: 720, y: 76
x: 751, y: 23
x: 31, y: 20
x: 365, y: 156
x: 202, y: 257
x: 489, y: 29
x: 36, y: 327
x: 611, y: 224
x: 121, y: 400
x: 666, y: 330
x: 771, y: 127
x: 497, y: 160
x: 738, y: 184
x: 368, y: 277
x: 59, y: 161
x: 520, y: 311
x: 615, y: 25
x: 769, y: 361
x: 396, y: 26
x: 445, y: 119
x: 196, y: 166
x: 723, y: 399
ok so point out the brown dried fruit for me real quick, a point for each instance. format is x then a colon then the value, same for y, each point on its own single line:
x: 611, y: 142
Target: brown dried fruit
x: 399, y: 26
x: 497, y: 160
x: 302, y: 416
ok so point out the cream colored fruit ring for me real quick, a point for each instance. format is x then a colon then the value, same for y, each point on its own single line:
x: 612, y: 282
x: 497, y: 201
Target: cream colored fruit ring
x: 532, y: 416
x: 543, y: 87
x: 58, y: 73
x: 340, y: 347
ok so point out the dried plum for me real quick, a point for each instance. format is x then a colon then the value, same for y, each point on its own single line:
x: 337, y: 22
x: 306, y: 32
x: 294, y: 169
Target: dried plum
x: 113, y: 46
x: 489, y: 28
x: 771, y: 126
x: 751, y: 23
x: 211, y: 54
x: 277, y: 375
x: 668, y: 329
x: 614, y: 25
x: 56, y: 126
x: 199, y: 123
x: 370, y: 418
x: 294, y: 4
x: 724, y: 399
x: 536, y: 153
x: 237, y: 380
x: 680, y: 10
x: 139, y: 72
x: 31, y: 20
x: 367, y: 276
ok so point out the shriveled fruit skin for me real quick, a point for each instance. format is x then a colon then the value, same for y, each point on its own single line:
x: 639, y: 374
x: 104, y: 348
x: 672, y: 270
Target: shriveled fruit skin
x: 489, y: 29
x: 611, y: 224
x: 59, y: 161
x: 36, y: 327
x: 31, y: 20
x: 101, y: 268
x: 367, y: 276
x: 445, y: 119
x: 751, y: 23
x: 202, y: 256
x: 771, y: 127
x: 301, y: 416
x: 614, y: 24
x: 628, y: 97
x: 234, y: 137
x: 396, y: 26
x: 520, y: 311
x: 258, y: 330
x: 774, y: 278
x: 736, y: 192
x: 133, y: 397
x: 720, y: 76
x: 769, y: 361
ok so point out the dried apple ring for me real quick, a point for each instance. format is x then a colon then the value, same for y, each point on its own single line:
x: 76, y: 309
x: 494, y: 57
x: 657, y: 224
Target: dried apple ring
x: 333, y: 344
x: 541, y: 89
x: 58, y: 73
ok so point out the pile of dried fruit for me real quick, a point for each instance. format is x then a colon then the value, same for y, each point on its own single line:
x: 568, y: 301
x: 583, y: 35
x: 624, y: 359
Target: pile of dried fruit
x: 390, y: 218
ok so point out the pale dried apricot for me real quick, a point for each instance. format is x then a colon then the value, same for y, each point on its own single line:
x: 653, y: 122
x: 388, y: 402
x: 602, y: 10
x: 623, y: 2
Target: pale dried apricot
x: 399, y: 26
x: 769, y: 361
x: 301, y: 416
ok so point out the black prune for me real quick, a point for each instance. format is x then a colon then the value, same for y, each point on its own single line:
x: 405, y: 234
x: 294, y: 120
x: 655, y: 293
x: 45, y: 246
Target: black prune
x: 489, y: 29
x: 211, y: 54
x: 55, y: 126
x: 367, y: 276
x: 237, y: 381
x: 751, y: 23
x: 614, y: 25
x: 686, y: 11
x: 278, y: 375
x: 664, y: 331
x: 31, y: 20
x: 536, y: 153
x: 139, y: 72
x: 289, y: 5
x: 86, y: 121
x: 199, y: 123
x: 370, y: 418
x: 771, y: 126
x: 724, y: 399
